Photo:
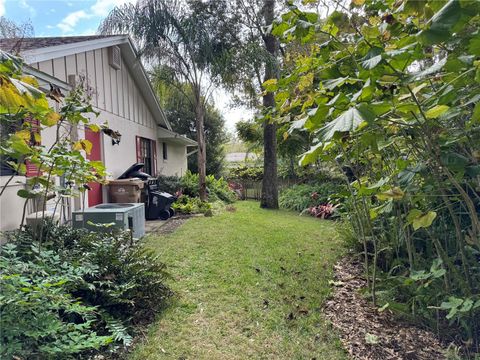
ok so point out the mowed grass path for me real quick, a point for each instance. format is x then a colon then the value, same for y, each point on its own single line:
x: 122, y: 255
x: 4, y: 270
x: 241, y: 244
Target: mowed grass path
x: 249, y: 284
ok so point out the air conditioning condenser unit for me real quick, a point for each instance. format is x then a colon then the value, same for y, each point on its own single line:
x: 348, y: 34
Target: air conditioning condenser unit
x: 121, y: 216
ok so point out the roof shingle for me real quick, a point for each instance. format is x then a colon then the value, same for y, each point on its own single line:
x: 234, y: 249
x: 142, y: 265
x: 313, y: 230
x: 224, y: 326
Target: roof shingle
x: 24, y: 44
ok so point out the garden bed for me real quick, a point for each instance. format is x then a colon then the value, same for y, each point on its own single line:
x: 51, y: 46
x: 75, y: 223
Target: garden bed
x: 368, y: 333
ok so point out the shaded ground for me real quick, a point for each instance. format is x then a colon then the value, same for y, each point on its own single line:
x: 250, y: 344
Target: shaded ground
x: 367, y: 333
x: 250, y: 284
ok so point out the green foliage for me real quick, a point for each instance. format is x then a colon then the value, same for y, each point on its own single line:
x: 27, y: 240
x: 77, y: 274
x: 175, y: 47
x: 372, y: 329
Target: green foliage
x: 390, y: 97
x: 242, y: 173
x: 176, y: 102
x: 217, y: 189
x: 302, y: 196
x: 170, y: 184
x: 77, y: 293
x: 191, y: 205
x: 39, y: 315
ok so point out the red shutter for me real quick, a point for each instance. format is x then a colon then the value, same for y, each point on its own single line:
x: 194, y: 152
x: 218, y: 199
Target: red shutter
x: 154, y: 157
x: 139, y: 149
x: 31, y: 169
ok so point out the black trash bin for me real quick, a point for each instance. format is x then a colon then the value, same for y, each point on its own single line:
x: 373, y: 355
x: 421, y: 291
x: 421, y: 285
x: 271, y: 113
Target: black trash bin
x: 157, y: 203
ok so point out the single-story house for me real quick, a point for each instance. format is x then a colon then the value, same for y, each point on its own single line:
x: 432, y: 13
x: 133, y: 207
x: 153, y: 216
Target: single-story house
x: 120, y: 91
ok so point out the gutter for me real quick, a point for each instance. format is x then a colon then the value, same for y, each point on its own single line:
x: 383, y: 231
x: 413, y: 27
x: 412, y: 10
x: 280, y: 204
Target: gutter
x: 192, y: 152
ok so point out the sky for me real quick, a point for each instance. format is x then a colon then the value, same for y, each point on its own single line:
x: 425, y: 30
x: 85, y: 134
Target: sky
x: 82, y: 17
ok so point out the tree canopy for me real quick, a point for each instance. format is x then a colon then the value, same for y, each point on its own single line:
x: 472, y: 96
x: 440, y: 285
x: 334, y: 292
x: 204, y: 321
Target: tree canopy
x: 176, y: 103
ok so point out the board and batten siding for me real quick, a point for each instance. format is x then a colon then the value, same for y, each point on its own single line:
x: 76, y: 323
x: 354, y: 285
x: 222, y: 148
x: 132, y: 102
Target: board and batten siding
x: 113, y: 91
x: 119, y: 101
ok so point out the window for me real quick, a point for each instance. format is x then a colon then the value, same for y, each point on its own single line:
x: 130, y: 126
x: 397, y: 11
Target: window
x: 147, y: 154
x: 164, y: 151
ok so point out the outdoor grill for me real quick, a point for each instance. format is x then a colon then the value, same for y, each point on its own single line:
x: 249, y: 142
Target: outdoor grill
x: 157, y: 203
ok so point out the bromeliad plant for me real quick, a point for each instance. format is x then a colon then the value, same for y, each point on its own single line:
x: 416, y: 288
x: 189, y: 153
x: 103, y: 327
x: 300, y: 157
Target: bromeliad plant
x: 390, y: 90
x: 24, y: 114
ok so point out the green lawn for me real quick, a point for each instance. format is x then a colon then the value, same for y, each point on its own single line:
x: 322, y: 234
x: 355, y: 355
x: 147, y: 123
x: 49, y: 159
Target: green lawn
x: 249, y: 285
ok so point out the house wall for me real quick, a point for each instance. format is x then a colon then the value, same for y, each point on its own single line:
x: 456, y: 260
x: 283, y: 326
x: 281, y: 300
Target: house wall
x: 116, y: 96
x: 11, y: 205
x: 113, y: 91
x: 176, y: 164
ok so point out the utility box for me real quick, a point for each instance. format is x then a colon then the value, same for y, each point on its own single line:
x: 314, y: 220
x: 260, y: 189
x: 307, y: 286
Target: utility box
x: 104, y: 217
x: 125, y: 190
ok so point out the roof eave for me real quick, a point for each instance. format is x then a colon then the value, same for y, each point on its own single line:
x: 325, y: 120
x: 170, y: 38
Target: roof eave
x: 164, y: 134
x: 53, y: 52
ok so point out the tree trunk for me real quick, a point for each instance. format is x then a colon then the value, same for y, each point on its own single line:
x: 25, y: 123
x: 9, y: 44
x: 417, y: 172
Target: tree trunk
x: 269, y: 198
x: 201, y: 154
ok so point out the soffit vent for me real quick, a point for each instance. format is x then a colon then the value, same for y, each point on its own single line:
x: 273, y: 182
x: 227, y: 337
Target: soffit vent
x: 115, y: 57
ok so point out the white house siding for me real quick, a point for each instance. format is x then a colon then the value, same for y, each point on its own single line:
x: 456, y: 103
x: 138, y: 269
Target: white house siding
x: 176, y: 164
x: 11, y: 206
x: 116, y: 96
x: 114, y: 91
x: 120, y: 103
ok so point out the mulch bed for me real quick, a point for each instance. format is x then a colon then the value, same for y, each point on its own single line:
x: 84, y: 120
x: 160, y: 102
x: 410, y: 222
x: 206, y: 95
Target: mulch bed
x: 173, y: 223
x: 367, y: 333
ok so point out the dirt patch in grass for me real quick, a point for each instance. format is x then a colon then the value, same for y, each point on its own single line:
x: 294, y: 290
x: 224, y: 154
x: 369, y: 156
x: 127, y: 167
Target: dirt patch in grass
x: 172, y: 225
x: 367, y: 333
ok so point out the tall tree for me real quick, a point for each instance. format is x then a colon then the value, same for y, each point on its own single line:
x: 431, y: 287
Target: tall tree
x: 269, y: 197
x: 253, y: 61
x: 184, y: 37
x: 179, y: 113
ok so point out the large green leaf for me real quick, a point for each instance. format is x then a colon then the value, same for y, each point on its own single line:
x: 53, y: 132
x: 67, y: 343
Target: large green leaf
x: 270, y: 85
x: 27, y: 194
x: 476, y: 113
x: 348, y: 121
x: 372, y: 59
x: 419, y: 219
x: 394, y: 193
x: 474, y: 45
x: 436, y: 111
x: 19, y: 145
x: 311, y: 155
x: 442, y: 23
x: 454, y: 161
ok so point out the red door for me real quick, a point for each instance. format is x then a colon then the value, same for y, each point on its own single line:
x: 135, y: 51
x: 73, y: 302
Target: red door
x: 94, y: 195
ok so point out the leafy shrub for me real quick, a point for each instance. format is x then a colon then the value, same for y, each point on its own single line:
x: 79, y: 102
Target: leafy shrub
x: 303, y: 196
x: 39, y: 314
x: 252, y: 173
x: 170, y: 184
x: 190, y: 186
x: 217, y: 189
x: 191, y: 205
x: 80, y: 291
x: 414, y: 198
x: 129, y: 283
